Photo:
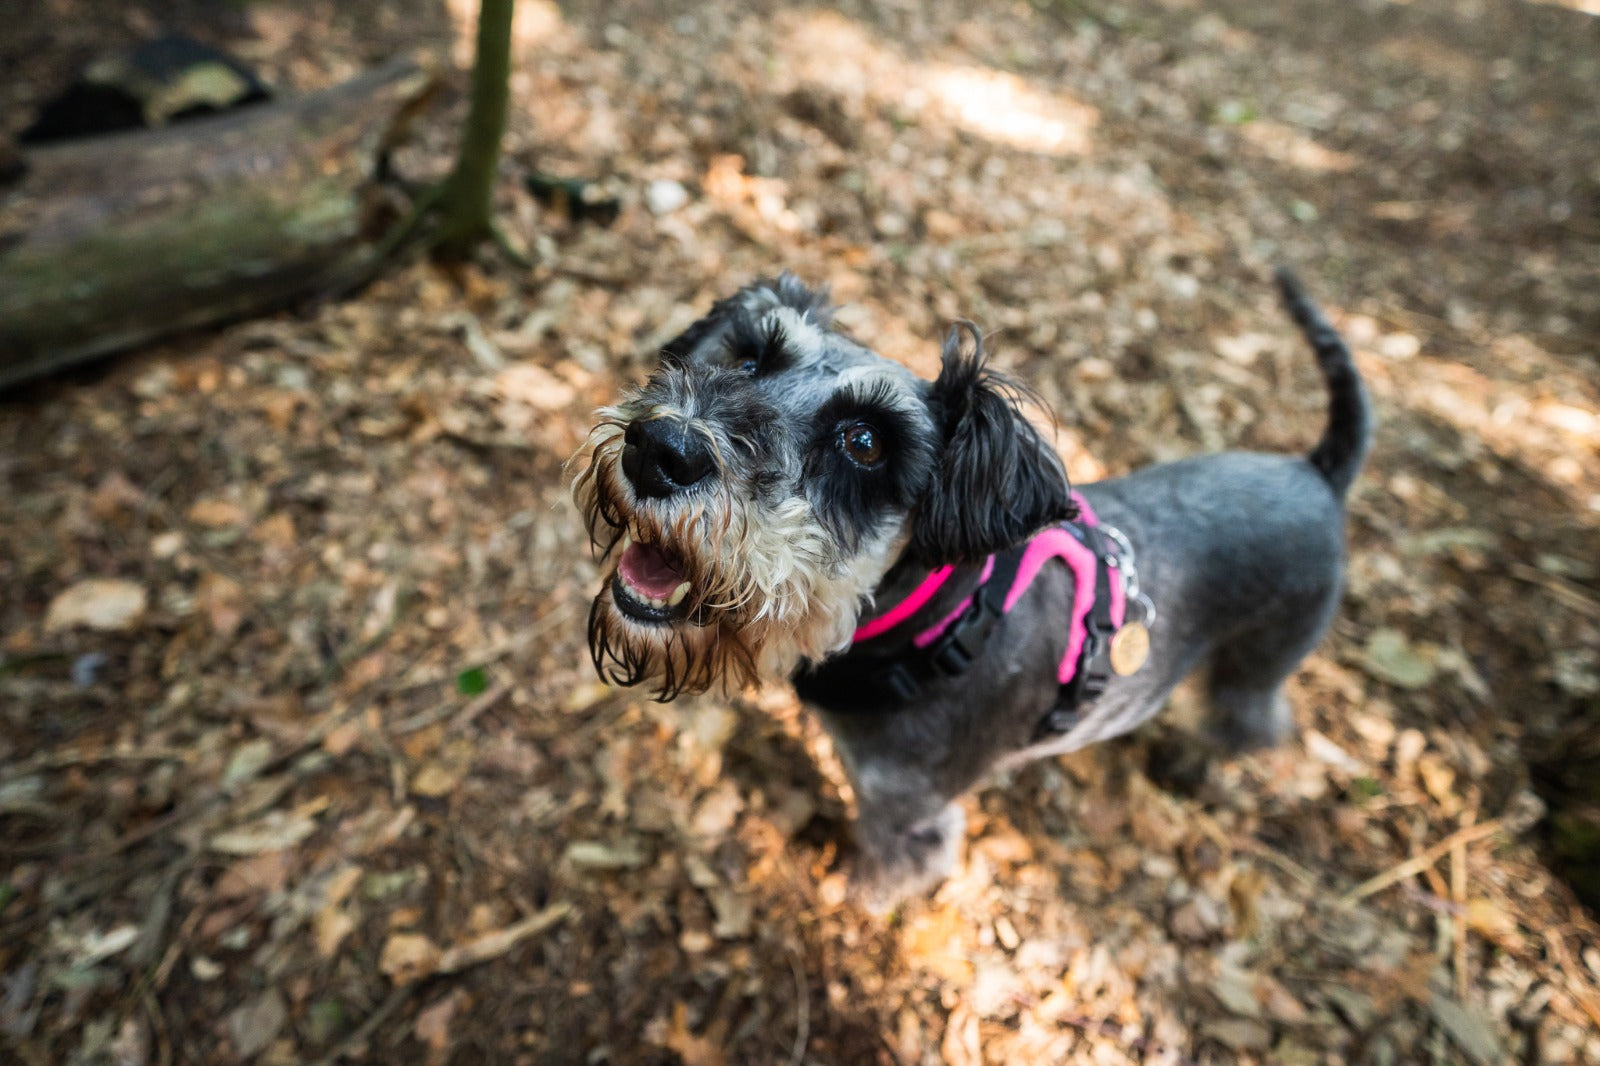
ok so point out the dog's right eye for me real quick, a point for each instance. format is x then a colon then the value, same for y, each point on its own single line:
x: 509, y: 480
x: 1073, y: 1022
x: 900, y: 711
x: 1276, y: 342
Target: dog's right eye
x: 748, y: 366
x: 862, y: 444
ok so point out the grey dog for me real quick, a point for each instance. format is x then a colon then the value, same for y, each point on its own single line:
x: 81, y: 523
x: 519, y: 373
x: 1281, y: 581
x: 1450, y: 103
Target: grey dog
x: 777, y: 501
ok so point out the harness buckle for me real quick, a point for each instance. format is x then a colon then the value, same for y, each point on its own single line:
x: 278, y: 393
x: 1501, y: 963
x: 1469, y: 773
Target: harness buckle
x: 899, y: 680
x: 955, y: 651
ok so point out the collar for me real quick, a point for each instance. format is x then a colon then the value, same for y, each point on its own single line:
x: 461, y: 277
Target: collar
x: 937, y: 622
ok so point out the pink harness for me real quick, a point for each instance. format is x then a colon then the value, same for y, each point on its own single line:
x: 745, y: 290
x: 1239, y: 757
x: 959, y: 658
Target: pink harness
x: 1057, y: 542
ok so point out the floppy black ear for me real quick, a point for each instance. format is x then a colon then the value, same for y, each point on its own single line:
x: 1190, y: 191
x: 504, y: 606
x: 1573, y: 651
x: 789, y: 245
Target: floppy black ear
x: 997, y: 481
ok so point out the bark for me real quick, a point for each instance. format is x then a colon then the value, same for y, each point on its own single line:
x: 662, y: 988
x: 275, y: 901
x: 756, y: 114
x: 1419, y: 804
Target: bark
x: 467, y: 206
x: 115, y: 241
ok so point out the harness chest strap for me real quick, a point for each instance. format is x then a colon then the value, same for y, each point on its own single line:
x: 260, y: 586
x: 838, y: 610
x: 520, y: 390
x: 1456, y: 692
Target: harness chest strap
x: 877, y: 670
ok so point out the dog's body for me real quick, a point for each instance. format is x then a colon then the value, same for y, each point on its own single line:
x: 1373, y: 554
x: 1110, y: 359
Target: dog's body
x: 836, y: 492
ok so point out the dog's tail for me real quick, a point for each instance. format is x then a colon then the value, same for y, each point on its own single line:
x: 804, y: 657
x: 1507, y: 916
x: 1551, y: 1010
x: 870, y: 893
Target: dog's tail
x: 1339, y: 454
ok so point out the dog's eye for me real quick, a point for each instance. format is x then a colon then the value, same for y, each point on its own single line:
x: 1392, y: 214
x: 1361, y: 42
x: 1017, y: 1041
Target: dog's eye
x: 748, y: 366
x: 862, y: 444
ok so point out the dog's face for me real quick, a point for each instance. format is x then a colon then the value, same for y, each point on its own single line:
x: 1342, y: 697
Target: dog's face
x: 748, y: 498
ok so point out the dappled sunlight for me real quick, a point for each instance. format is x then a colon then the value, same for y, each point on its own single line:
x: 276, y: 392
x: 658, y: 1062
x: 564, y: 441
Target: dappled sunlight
x: 1003, y: 108
x: 827, y: 50
x: 1555, y: 435
x: 537, y: 23
x: 1583, y: 7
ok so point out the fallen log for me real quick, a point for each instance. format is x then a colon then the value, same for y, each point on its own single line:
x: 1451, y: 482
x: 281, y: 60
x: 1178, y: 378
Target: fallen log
x: 114, y: 241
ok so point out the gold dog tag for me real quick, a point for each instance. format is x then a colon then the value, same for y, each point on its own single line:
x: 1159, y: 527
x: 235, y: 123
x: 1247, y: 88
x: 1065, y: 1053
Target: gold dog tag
x: 1130, y: 647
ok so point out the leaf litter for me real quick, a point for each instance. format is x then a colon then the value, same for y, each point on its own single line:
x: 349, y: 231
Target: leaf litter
x: 302, y: 757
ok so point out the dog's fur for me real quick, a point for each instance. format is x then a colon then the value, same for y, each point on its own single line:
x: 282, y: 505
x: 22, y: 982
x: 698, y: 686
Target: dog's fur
x: 733, y: 464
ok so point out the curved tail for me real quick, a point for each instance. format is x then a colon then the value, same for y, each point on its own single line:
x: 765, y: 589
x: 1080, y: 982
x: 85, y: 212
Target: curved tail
x: 1344, y: 444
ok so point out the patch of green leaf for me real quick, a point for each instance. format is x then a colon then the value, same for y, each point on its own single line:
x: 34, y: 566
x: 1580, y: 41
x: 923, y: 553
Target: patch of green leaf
x: 473, y: 681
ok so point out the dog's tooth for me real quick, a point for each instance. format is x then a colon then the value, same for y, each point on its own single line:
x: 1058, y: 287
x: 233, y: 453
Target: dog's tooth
x: 627, y: 540
x: 678, y: 594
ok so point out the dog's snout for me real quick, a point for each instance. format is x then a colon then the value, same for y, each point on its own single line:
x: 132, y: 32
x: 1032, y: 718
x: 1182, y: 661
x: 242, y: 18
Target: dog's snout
x: 661, y: 456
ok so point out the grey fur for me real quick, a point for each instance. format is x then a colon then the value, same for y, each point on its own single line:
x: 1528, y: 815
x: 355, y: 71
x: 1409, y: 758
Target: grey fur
x: 1242, y: 554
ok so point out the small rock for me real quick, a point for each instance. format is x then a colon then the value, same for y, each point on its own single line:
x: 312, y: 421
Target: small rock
x: 664, y: 197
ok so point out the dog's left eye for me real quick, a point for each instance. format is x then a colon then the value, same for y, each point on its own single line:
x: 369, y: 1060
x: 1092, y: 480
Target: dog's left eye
x: 748, y: 367
x: 862, y: 444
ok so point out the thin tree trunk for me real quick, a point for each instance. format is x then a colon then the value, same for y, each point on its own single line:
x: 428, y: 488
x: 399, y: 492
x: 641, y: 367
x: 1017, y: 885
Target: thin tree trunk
x: 467, y: 207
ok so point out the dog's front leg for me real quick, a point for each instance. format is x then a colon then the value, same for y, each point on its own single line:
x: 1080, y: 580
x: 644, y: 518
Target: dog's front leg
x: 909, y: 834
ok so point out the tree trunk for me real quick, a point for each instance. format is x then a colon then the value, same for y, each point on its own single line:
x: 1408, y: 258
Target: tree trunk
x: 467, y: 207
x: 114, y: 241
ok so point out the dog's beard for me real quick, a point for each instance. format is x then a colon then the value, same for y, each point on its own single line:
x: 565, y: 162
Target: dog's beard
x: 766, y: 587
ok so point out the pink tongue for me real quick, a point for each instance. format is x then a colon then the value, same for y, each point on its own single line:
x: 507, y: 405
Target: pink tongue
x: 650, y: 570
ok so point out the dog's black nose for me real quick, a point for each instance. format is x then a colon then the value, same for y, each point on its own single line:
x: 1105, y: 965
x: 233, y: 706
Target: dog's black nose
x: 662, y: 456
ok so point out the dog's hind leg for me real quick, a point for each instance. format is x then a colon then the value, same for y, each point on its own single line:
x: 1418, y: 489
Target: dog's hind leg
x: 1248, y: 671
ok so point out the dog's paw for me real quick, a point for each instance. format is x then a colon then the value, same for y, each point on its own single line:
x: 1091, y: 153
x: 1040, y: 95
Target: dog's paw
x: 895, y: 866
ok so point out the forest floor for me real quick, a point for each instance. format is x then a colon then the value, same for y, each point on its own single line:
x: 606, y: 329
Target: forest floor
x: 301, y: 754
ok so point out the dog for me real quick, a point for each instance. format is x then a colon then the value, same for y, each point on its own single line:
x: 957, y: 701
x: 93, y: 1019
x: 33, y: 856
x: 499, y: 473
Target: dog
x: 778, y: 501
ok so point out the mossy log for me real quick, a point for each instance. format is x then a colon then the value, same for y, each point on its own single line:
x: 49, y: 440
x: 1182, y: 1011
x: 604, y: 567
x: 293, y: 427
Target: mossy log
x: 114, y: 241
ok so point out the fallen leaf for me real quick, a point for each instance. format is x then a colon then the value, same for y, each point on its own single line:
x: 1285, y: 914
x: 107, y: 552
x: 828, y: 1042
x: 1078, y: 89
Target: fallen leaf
x: 433, y: 1021
x: 1466, y: 1030
x: 693, y: 1050
x: 254, y: 1025
x: 408, y: 957
x: 596, y: 855
x: 278, y: 830
x: 220, y: 600
x: 267, y: 872
x: 1239, y: 1034
x: 246, y: 761
x: 1388, y: 656
x: 106, y: 604
x: 212, y: 512
x: 334, y: 920
x: 438, y: 779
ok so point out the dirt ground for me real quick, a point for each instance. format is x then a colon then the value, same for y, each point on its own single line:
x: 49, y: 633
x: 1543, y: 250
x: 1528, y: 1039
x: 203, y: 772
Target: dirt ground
x: 301, y: 755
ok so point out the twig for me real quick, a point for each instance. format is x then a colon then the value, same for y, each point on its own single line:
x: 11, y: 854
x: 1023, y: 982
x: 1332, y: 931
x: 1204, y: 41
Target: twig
x: 1561, y: 590
x: 1103, y: 1027
x: 1458, y: 893
x: 1413, y: 866
x: 459, y: 719
x: 493, y: 945
x: 802, y: 1011
x: 1281, y: 861
x: 359, y: 1036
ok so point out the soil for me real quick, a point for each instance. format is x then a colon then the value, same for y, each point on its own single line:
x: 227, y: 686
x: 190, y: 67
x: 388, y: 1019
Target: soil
x: 302, y: 756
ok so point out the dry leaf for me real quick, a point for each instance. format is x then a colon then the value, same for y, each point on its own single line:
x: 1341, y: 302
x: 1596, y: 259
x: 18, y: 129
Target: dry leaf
x: 106, y: 604
x: 212, y: 512
x: 221, y: 601
x: 438, y: 779
x: 693, y: 1050
x: 408, y: 957
x: 596, y: 855
x: 254, y: 1025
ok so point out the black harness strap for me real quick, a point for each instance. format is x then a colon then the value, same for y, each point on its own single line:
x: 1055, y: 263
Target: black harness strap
x: 866, y: 679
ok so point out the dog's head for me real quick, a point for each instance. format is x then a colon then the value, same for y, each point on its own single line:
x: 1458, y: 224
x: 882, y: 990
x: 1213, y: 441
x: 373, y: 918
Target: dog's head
x: 746, y: 500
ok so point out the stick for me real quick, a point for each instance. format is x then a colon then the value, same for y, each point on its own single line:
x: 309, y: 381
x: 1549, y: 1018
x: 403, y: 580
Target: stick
x: 1412, y: 867
x: 802, y: 1011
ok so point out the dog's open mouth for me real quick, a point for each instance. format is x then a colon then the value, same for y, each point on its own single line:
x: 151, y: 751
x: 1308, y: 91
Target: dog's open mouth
x: 650, y: 584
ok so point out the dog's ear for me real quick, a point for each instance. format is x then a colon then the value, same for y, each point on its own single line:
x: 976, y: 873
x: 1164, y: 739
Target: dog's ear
x: 997, y: 480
